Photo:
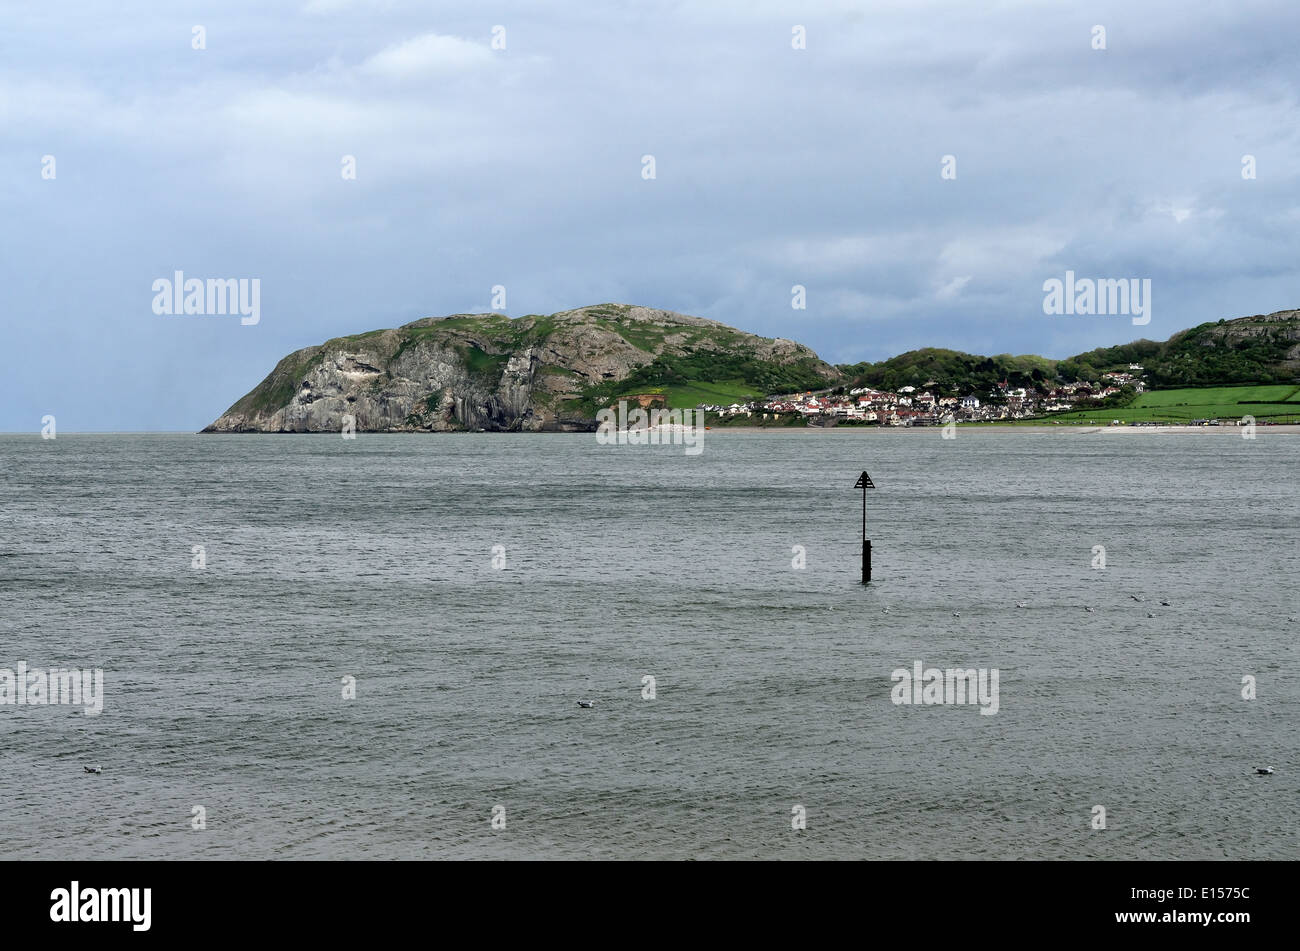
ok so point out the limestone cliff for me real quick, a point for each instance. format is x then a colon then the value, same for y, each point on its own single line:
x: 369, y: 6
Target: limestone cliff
x: 536, y: 373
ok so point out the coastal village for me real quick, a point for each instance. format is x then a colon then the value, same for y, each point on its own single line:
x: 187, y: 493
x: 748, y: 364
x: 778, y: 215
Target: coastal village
x: 927, y: 405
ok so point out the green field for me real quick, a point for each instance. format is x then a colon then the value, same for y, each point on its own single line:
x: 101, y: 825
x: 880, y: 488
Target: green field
x: 1278, y: 404
x: 688, y: 395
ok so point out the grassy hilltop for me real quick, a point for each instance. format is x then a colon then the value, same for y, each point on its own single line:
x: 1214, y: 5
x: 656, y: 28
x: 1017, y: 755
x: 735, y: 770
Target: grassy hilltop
x: 1247, y: 350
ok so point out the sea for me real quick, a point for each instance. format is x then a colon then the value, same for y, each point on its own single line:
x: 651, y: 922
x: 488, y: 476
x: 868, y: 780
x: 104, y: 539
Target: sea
x: 315, y: 647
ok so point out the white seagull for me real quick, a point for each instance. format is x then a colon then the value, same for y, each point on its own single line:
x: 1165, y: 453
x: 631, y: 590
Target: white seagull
x: 1264, y: 770
x: 93, y: 769
x: 587, y: 703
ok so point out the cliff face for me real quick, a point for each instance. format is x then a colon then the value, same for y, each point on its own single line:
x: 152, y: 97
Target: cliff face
x: 1264, y: 348
x: 486, y: 371
x: 1281, y: 329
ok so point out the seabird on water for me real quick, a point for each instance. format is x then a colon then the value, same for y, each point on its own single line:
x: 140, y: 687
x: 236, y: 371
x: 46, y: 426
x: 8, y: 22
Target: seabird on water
x: 93, y: 769
x: 586, y: 703
x: 1264, y: 770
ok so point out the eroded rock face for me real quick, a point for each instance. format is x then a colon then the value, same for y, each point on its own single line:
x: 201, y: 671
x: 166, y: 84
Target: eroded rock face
x: 1283, y: 325
x: 483, y: 371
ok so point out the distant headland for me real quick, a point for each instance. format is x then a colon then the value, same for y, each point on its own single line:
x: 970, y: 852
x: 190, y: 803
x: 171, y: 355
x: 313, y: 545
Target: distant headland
x: 553, y: 373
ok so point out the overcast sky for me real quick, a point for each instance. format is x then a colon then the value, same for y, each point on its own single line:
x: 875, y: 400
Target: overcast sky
x: 522, y: 167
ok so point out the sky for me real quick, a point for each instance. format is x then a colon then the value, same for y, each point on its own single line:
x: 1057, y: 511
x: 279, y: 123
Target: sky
x: 919, y: 167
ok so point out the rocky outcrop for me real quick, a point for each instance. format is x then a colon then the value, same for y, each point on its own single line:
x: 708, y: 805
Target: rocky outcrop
x: 1281, y: 327
x: 488, y: 372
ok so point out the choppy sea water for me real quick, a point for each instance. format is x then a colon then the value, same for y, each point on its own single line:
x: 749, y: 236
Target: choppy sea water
x: 373, y: 558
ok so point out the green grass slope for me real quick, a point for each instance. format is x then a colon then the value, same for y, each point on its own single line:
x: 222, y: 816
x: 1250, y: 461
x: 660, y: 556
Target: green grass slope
x: 1277, y: 404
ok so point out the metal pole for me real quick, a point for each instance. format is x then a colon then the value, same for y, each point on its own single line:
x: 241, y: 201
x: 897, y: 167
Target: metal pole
x: 864, y: 481
x: 866, y: 545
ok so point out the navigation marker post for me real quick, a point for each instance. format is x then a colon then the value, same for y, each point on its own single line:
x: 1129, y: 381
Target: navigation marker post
x: 864, y: 482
